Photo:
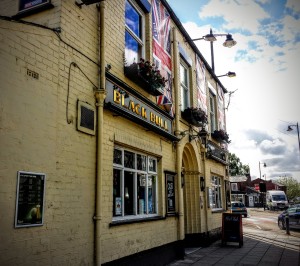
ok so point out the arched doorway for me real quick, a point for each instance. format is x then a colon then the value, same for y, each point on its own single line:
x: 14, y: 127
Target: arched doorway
x: 193, y: 201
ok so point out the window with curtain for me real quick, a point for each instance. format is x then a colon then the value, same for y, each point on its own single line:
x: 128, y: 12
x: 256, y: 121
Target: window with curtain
x: 134, y: 184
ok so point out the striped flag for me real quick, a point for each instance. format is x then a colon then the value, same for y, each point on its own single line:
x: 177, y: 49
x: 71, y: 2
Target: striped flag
x: 201, y: 84
x: 162, y: 51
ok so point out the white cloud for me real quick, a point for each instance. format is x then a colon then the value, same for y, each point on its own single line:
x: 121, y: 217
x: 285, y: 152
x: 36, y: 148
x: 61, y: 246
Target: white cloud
x: 239, y: 14
x: 294, y: 5
x: 267, y: 83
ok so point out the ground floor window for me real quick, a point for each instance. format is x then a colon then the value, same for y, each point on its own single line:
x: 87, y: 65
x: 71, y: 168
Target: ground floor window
x: 215, y: 195
x: 134, y: 184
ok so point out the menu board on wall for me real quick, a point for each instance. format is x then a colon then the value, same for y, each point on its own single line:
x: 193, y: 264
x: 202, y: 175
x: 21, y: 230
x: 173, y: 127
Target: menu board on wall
x: 170, y: 186
x: 30, y: 199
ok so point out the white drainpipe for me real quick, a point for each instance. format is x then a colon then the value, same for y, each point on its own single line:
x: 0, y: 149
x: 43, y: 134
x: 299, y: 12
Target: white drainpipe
x: 178, y: 145
x: 100, y: 95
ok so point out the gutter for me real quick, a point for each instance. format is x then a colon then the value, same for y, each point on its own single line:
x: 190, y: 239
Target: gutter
x: 100, y: 95
x: 181, y: 234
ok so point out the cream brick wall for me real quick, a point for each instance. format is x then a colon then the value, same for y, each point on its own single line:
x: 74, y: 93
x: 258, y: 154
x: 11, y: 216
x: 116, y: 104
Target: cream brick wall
x: 35, y: 136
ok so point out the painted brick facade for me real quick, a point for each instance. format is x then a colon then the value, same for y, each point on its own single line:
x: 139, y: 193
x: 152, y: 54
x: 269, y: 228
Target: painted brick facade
x: 44, y: 71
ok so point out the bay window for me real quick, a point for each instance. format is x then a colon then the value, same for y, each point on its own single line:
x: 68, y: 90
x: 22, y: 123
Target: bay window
x: 134, y: 184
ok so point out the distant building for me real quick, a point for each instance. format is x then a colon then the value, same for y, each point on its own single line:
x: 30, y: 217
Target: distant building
x: 248, y: 192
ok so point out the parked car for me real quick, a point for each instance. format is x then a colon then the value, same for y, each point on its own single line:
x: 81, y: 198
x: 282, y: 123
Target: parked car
x: 239, y: 207
x: 294, y: 217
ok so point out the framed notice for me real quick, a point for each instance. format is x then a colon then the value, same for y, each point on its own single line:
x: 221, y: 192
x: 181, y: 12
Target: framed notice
x: 30, y: 199
x: 170, y: 190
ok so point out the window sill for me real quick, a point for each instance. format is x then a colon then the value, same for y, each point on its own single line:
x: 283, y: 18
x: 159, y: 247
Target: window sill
x: 136, y: 220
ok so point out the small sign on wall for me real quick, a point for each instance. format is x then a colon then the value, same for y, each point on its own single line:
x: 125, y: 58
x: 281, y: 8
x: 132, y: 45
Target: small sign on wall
x: 170, y: 190
x: 30, y: 4
x: 30, y: 199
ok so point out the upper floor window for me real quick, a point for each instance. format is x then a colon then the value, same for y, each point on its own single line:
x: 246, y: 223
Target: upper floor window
x: 134, y: 184
x: 134, y: 33
x: 212, y: 112
x: 184, y: 86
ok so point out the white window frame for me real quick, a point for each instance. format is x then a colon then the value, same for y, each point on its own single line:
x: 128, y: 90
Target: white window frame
x: 185, y: 88
x: 216, y: 198
x: 135, y: 172
x: 212, y: 111
x: 141, y: 41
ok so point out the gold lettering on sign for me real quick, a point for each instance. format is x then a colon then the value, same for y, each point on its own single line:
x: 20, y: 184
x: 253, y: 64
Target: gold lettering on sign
x: 119, y: 98
x: 137, y: 109
x: 166, y: 125
x: 144, y: 113
x: 152, y: 117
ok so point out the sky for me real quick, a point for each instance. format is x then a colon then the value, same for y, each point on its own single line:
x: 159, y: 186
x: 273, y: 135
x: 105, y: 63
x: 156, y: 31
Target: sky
x: 265, y: 94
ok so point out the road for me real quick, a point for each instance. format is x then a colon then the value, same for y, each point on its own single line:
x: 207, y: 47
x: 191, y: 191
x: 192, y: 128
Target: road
x: 260, y: 221
x: 264, y: 244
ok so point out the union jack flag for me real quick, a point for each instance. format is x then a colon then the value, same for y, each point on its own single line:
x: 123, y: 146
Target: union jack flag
x: 162, y: 50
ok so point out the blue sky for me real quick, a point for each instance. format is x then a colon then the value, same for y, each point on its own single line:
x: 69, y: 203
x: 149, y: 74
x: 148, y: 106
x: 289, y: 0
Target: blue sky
x: 266, y: 90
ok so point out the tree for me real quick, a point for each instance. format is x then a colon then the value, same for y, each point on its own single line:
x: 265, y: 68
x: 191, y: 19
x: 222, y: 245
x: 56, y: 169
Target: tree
x: 236, y: 167
x: 292, y: 186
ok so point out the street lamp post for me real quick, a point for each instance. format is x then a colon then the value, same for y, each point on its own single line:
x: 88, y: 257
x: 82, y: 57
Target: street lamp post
x: 263, y: 197
x: 211, y: 37
x: 297, y: 127
x: 265, y: 165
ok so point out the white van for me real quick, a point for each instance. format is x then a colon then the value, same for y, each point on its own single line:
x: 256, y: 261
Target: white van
x: 276, y: 199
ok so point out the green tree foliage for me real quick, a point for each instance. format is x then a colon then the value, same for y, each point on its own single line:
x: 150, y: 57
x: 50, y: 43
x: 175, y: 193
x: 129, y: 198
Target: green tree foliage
x: 292, y: 186
x: 236, y: 167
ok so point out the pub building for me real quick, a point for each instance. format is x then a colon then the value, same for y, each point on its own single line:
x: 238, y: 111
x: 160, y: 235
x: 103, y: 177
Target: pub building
x: 121, y: 122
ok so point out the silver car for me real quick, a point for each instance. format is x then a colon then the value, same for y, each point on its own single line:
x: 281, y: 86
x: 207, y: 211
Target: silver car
x: 239, y: 207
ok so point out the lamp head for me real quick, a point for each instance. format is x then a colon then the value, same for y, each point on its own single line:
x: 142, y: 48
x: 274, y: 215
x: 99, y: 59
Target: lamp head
x: 229, y: 41
x: 289, y: 128
x: 209, y: 37
x: 231, y: 74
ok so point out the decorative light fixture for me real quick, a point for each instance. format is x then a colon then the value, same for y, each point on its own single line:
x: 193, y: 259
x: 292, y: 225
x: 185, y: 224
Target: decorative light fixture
x: 202, y: 183
x: 182, y: 177
x: 211, y: 37
x: 297, y: 127
x: 202, y: 134
x: 228, y: 74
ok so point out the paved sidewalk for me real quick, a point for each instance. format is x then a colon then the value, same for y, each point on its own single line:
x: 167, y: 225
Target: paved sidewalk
x: 267, y: 249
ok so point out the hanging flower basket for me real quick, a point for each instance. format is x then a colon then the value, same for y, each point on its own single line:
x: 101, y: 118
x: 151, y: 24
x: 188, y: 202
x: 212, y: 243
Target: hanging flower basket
x: 195, y: 116
x: 221, y: 136
x: 147, y: 76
